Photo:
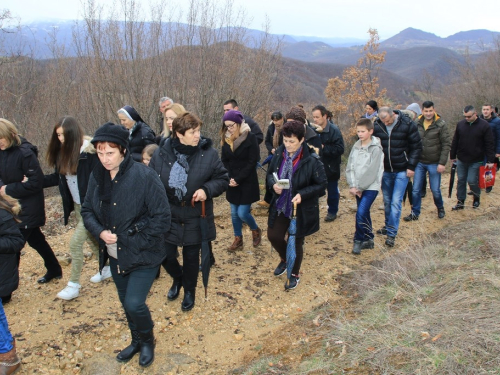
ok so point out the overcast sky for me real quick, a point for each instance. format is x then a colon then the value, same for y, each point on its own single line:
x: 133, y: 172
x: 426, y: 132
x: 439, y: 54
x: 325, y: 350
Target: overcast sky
x: 324, y: 18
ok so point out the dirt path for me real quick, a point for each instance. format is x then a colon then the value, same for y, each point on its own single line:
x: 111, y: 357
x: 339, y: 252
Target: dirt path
x: 246, y: 302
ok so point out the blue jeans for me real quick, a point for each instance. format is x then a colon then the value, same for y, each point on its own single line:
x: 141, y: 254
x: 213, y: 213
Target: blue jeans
x: 393, y: 189
x: 133, y: 289
x: 5, y: 336
x: 364, y: 230
x: 418, y: 182
x: 468, y: 173
x: 333, y: 196
x: 241, y: 213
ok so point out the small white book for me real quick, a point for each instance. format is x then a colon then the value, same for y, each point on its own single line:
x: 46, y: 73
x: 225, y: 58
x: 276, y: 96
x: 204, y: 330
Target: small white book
x: 284, y: 183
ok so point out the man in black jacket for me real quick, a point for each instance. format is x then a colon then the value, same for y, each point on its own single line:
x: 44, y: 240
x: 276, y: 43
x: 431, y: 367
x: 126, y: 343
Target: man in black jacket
x: 473, y: 140
x: 331, y: 155
x: 254, y: 127
x: 402, y: 146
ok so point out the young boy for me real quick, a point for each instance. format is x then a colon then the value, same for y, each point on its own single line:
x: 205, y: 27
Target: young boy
x: 364, y: 175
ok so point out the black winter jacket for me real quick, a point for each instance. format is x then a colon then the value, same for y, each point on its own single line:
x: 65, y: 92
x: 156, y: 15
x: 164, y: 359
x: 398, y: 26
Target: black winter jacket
x: 142, y: 135
x: 11, y: 243
x: 15, y: 163
x: 332, y: 150
x: 402, y: 149
x: 86, y: 164
x: 139, y: 215
x: 472, y: 142
x: 240, y: 165
x: 206, y: 172
x: 255, y: 128
x: 309, y: 180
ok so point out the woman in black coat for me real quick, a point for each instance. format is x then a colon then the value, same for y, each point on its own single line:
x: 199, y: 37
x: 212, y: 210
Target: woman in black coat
x: 299, y: 164
x: 131, y: 223
x: 11, y: 243
x: 22, y: 178
x: 140, y: 135
x: 240, y: 153
x: 191, y: 172
x: 73, y: 157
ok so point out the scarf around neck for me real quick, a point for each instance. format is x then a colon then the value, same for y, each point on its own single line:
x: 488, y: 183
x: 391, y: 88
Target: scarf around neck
x: 179, y: 172
x: 288, y: 167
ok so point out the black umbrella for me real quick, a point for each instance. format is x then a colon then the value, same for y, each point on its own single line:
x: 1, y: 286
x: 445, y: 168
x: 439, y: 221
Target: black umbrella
x: 408, y: 193
x: 205, y: 246
x: 452, y: 178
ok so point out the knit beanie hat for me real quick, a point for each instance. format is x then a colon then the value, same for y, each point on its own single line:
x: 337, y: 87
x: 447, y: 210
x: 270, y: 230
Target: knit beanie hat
x: 110, y: 132
x: 297, y: 114
x: 234, y: 116
x: 415, y: 108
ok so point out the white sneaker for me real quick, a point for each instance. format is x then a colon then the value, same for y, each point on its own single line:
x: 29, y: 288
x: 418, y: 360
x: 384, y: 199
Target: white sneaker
x: 98, y: 277
x: 70, y: 292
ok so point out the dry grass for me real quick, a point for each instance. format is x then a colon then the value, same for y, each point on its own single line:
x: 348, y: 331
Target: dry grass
x: 431, y: 309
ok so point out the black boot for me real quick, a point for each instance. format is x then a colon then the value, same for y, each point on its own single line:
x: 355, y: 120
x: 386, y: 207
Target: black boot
x: 147, y: 348
x: 459, y: 206
x: 188, y: 302
x: 175, y: 289
x: 126, y: 354
x: 476, y: 202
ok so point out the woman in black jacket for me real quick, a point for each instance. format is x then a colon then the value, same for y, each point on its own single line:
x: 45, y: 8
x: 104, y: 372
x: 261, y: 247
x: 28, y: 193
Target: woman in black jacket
x: 11, y: 243
x: 131, y: 224
x: 73, y: 157
x: 240, y: 152
x: 22, y: 178
x: 299, y: 164
x: 191, y: 172
x: 140, y: 135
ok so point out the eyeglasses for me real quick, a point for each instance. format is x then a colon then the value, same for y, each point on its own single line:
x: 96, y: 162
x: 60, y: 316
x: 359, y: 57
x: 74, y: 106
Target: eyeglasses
x: 230, y: 126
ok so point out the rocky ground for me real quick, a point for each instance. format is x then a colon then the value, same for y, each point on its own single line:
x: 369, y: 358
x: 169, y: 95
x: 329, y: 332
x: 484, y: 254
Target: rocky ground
x: 246, y: 308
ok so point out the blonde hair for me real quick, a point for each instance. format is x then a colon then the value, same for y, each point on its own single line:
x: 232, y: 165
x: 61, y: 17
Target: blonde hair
x: 11, y: 205
x: 178, y: 110
x: 8, y: 131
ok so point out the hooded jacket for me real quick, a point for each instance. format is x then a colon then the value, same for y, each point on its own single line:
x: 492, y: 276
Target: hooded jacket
x: 436, y: 141
x: 206, y: 172
x: 139, y: 215
x: 11, y: 244
x: 472, y: 141
x: 16, y: 162
x: 86, y: 163
x: 365, y: 166
x: 402, y: 149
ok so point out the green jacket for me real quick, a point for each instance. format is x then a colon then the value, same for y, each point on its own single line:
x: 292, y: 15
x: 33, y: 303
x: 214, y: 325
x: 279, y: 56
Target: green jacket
x: 436, y: 141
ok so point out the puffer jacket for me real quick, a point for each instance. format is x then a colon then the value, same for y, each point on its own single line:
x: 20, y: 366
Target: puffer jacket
x: 309, y: 180
x: 402, y: 149
x: 11, y: 243
x: 436, y: 141
x: 142, y: 135
x: 332, y: 149
x: 86, y: 164
x: 139, y: 215
x: 240, y: 164
x: 206, y: 172
x: 15, y: 163
x: 365, y: 166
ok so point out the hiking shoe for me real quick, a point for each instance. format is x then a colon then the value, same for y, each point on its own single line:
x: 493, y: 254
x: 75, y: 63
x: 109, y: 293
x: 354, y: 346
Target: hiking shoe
x: 368, y: 244
x: 256, y: 237
x: 330, y: 217
x: 476, y: 202
x: 292, y: 283
x: 356, y: 249
x: 390, y: 241
x: 280, y: 270
x: 103, y: 275
x: 382, y: 231
x: 458, y: 206
x: 237, y: 243
x: 411, y: 217
x: 441, y: 213
x: 70, y: 292
x: 488, y: 189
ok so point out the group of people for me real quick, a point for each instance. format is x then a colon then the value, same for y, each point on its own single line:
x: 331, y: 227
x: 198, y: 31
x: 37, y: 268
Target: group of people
x: 134, y: 231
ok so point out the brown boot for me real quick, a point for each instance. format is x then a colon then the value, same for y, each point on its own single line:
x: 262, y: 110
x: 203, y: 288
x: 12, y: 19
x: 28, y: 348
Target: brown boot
x: 238, y: 243
x: 257, y: 237
x: 9, y: 362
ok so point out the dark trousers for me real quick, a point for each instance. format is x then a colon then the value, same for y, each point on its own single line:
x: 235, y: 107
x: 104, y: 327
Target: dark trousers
x: 276, y: 235
x: 190, y: 264
x: 133, y: 289
x: 333, y: 196
x: 37, y: 241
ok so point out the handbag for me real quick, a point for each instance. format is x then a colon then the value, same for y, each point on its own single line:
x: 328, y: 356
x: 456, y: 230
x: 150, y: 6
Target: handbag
x: 487, y: 176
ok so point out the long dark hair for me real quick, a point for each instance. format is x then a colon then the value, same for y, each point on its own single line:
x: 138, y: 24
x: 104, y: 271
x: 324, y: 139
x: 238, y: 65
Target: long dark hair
x: 64, y: 156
